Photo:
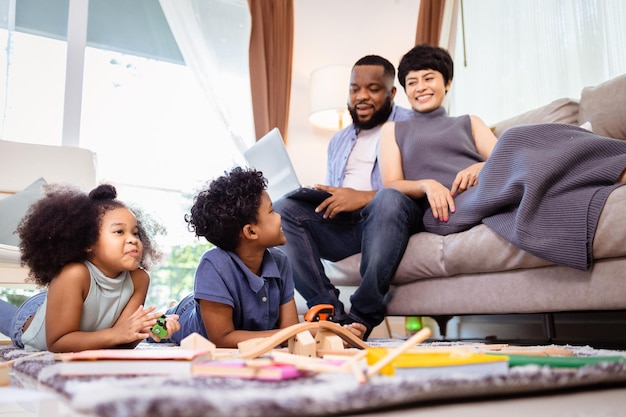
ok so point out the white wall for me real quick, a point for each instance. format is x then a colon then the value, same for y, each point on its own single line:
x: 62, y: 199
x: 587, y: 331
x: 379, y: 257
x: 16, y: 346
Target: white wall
x: 330, y: 32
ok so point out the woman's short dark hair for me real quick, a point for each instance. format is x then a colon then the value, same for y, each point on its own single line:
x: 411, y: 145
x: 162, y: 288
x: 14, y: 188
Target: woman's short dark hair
x: 423, y: 57
x: 231, y: 201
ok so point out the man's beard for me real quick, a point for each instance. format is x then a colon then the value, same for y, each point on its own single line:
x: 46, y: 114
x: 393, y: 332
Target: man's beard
x: 378, y: 118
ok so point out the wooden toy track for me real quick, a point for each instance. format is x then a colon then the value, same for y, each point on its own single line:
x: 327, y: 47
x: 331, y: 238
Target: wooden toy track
x: 265, y: 345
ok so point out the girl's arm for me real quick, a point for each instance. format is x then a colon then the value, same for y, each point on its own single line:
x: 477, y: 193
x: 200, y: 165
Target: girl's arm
x: 133, y: 316
x: 218, y: 323
x: 66, y: 294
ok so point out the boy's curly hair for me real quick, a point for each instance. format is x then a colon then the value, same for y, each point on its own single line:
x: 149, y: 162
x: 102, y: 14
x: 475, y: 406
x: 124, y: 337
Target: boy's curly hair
x: 60, y: 228
x: 231, y: 201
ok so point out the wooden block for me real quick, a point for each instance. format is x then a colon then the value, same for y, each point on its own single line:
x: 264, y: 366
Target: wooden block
x: 4, y: 375
x: 302, y: 344
x: 250, y: 345
x: 197, y: 342
x: 312, y: 364
x: 328, y: 341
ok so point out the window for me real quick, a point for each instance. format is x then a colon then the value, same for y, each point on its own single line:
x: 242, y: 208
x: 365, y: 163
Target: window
x: 524, y: 54
x: 157, y: 136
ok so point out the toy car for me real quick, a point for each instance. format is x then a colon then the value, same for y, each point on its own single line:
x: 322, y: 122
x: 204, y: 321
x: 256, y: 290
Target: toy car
x: 159, y: 328
x: 320, y: 312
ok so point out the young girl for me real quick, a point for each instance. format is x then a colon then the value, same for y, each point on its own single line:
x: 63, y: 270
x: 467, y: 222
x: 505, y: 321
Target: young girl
x: 90, y: 251
x: 244, y: 287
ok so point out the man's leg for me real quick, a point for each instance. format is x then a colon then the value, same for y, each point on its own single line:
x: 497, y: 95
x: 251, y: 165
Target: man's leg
x: 311, y: 237
x: 389, y: 220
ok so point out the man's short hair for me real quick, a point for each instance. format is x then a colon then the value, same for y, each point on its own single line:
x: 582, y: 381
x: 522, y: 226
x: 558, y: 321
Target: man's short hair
x: 389, y: 69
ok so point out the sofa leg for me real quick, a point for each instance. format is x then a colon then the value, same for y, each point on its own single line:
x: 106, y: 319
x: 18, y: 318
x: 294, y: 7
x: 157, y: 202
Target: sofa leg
x: 548, y: 326
x: 442, y: 322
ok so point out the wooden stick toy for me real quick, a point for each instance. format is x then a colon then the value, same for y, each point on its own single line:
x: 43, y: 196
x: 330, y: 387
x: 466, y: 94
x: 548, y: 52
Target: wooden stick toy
x: 417, y: 338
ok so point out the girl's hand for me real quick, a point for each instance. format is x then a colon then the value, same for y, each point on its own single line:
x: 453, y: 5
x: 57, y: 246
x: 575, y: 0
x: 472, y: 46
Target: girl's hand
x: 136, y: 326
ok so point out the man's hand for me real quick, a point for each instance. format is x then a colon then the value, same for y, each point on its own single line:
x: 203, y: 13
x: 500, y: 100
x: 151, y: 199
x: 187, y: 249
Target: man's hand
x: 343, y: 199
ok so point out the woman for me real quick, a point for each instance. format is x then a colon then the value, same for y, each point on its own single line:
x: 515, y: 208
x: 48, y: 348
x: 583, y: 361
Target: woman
x: 541, y: 187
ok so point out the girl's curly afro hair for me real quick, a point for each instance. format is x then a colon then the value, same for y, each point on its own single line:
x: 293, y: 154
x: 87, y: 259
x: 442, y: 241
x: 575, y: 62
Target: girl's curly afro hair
x: 231, y: 201
x: 60, y: 228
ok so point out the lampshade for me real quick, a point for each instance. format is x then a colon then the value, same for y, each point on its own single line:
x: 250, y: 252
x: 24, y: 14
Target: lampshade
x: 328, y: 93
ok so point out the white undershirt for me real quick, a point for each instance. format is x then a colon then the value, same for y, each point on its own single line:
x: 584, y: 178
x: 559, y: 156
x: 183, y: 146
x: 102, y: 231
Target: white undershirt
x: 361, y: 160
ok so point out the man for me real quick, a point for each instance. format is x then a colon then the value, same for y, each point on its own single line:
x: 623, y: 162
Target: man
x: 345, y: 223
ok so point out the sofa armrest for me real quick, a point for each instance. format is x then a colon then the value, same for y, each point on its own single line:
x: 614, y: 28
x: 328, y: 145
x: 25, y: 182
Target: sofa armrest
x: 23, y: 163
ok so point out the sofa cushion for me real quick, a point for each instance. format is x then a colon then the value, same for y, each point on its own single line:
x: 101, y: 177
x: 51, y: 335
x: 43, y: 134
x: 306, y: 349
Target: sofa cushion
x: 14, y: 207
x: 479, y: 250
x: 563, y: 110
x: 611, y: 231
x: 603, y: 106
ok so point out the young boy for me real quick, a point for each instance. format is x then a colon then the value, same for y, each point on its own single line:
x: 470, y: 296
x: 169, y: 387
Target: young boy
x: 244, y: 286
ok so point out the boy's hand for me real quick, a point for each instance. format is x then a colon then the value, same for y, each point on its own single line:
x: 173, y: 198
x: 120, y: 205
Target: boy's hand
x: 172, y: 326
x: 355, y: 328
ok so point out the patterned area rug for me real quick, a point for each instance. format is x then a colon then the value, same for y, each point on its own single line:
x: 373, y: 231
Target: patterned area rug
x: 315, y: 395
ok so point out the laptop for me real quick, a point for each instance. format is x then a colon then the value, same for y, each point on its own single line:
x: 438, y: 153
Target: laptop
x: 270, y: 156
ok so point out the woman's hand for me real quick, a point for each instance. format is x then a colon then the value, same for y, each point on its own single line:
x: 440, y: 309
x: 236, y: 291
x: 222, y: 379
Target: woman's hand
x: 439, y: 198
x: 466, y: 178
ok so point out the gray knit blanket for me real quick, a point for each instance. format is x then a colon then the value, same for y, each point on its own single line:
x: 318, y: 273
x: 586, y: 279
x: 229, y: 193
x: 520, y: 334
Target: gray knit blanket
x: 543, y: 190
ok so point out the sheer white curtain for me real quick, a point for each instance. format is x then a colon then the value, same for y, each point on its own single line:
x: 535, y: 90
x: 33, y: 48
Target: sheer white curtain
x: 524, y: 54
x: 213, y: 37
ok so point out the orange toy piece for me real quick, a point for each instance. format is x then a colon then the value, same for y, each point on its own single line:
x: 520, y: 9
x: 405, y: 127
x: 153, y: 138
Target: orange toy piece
x: 320, y: 312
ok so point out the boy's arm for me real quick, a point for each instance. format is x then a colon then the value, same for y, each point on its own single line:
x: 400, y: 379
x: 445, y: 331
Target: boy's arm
x: 218, y: 323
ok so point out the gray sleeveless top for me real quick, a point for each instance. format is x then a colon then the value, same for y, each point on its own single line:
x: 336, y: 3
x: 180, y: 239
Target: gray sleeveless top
x: 436, y: 146
x: 105, y: 301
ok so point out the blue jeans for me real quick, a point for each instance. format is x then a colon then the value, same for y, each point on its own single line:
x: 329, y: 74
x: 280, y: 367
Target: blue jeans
x: 12, y: 318
x: 189, y: 318
x: 389, y: 221
x: 380, y: 232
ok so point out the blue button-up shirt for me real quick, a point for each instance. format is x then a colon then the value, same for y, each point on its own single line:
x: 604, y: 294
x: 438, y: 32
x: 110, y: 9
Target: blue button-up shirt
x: 341, y: 145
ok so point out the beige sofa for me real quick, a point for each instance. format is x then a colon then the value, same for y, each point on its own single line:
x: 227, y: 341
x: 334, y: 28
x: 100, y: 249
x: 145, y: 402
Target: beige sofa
x: 24, y: 167
x: 477, y: 272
